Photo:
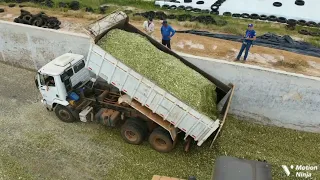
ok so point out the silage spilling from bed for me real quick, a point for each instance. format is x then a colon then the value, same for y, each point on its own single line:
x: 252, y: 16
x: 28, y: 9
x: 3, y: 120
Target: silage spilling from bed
x: 163, y: 69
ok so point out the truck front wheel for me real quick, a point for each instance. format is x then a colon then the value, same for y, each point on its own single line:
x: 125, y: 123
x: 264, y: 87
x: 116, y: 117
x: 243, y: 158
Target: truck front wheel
x: 64, y: 114
x: 160, y: 140
x: 132, y: 133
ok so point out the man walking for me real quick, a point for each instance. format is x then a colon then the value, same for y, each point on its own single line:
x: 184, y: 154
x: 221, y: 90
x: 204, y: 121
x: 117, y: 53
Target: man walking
x: 167, y: 32
x: 148, y: 27
x: 247, y: 43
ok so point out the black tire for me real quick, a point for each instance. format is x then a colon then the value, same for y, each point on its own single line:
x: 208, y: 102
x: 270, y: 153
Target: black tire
x: 292, y: 22
x: 236, y: 15
x: 196, y: 10
x: 290, y: 27
x: 302, y: 22
x: 299, y: 2
x: 16, y: 20
x: 12, y: 5
x: 75, y: 5
x: 141, y: 123
x: 245, y: 15
x: 189, y: 8
x: 181, y: 18
x: 214, y: 7
x: 132, y: 133
x: 214, y: 12
x: 311, y: 24
x: 62, y: 112
x: 272, y: 18
x: 172, y: 16
x: 173, y: 7
x: 263, y: 17
x: 206, y: 11
x: 304, y: 32
x: 227, y: 14
x: 1, y: 10
x: 165, y: 6
x: 27, y: 18
x: 181, y: 8
x: 193, y: 18
x: 254, y: 16
x: 277, y: 4
x: 314, y: 33
x: 282, y: 20
x: 160, y: 140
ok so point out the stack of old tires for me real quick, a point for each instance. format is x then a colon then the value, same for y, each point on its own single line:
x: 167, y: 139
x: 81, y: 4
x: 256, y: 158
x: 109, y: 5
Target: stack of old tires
x: 204, y: 19
x: 40, y: 20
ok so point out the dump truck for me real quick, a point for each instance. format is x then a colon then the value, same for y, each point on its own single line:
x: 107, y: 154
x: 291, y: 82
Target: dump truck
x: 98, y: 87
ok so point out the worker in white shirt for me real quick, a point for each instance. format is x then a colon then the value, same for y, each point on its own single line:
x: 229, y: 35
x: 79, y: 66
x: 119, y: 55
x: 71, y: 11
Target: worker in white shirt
x: 148, y: 27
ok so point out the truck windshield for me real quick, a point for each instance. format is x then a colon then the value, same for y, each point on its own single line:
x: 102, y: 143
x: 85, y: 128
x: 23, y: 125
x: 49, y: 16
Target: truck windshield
x: 65, y: 78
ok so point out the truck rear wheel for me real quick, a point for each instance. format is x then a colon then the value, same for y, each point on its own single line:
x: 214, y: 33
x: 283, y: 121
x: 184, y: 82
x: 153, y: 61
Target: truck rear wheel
x: 64, y: 114
x: 160, y: 140
x: 132, y: 133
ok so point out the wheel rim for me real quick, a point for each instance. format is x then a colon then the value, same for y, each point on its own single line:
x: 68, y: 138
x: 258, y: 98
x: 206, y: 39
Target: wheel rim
x: 64, y: 114
x: 160, y: 143
x: 131, y: 136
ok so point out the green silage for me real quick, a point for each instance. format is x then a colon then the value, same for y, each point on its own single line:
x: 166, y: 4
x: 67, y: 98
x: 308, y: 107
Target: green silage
x: 163, y: 69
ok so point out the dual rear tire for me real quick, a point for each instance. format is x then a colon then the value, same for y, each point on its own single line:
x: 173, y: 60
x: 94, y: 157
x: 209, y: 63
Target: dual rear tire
x: 135, y: 131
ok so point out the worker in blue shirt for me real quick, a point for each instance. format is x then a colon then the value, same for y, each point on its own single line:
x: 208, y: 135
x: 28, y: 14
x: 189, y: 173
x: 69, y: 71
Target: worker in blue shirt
x: 250, y: 36
x: 167, y: 32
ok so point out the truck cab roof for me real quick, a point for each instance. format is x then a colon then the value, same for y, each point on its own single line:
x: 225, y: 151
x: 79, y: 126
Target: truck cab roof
x: 60, y: 64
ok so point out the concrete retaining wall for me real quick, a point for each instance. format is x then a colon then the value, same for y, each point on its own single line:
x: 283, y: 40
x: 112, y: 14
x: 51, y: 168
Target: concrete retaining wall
x: 32, y: 47
x: 268, y: 96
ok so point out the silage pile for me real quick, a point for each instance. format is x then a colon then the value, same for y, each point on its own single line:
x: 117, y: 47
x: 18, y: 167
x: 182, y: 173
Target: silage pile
x: 165, y: 70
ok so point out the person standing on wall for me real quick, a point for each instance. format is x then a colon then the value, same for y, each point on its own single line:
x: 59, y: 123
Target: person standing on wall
x: 148, y: 27
x: 167, y: 32
x: 250, y: 36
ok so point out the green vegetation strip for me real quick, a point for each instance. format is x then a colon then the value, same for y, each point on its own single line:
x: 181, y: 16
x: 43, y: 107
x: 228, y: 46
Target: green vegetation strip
x: 167, y: 71
x: 242, y: 139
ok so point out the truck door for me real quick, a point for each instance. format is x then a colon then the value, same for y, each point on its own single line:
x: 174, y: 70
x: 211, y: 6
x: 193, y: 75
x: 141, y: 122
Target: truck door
x: 48, y: 89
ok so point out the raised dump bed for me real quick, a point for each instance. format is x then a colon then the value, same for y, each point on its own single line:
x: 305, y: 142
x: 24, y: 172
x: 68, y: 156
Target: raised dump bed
x: 140, y: 90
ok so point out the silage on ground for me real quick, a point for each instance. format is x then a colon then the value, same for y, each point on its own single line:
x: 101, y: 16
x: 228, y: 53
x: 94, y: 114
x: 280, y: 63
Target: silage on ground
x: 165, y: 70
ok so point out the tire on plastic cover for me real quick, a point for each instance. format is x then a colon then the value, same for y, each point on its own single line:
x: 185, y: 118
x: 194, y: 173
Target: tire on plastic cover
x: 311, y: 24
x: 1, y: 10
x: 227, y: 14
x: 291, y: 21
x: 181, y: 8
x: 299, y: 2
x: 254, y: 16
x: 189, y: 8
x: 282, y: 19
x: 214, y: 7
x: 196, y: 10
x: 172, y: 16
x: 245, y: 15
x: 173, y: 7
x: 303, y: 31
x: 272, y: 18
x: 277, y: 4
x: 236, y: 15
x: 263, y: 17
x: 302, y: 22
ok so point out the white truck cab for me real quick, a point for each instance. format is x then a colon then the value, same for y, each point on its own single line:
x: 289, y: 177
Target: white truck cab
x: 56, y: 79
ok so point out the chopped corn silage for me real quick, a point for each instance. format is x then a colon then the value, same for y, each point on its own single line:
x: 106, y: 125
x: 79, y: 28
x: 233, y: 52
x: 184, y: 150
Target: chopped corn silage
x: 165, y: 70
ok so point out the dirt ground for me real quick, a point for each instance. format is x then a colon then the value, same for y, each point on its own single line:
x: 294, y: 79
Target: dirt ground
x: 75, y: 21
